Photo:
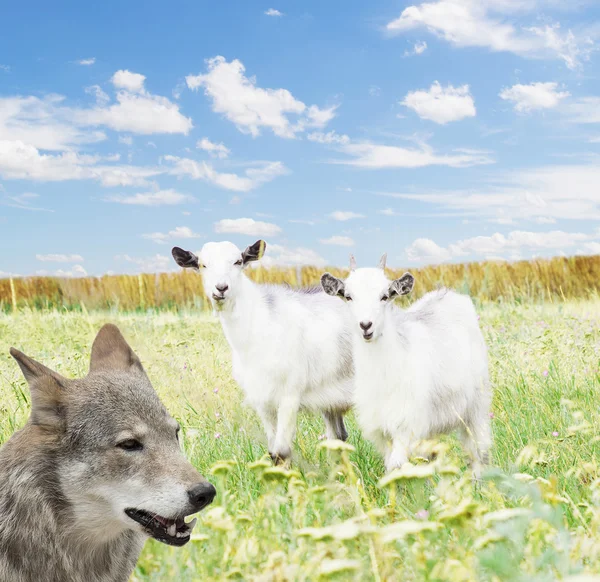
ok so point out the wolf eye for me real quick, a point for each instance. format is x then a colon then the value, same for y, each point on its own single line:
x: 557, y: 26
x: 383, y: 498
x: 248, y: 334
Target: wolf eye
x: 177, y: 430
x: 238, y: 262
x: 385, y: 297
x: 130, y: 445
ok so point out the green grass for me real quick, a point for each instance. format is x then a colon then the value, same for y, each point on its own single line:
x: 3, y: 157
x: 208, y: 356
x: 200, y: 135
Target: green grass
x: 329, y: 518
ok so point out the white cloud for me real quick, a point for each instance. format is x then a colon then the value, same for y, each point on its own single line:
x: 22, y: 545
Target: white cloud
x: 566, y: 46
x: 42, y: 123
x: 23, y: 201
x: 250, y: 107
x: 278, y: 255
x: 5, y: 68
x: 75, y: 271
x: 328, y: 138
x: 487, y: 23
x: 497, y: 245
x: 273, y: 12
x: 161, y: 198
x: 22, y: 161
x: 548, y: 192
x: 418, y: 49
x: 584, y: 110
x: 127, y: 140
x: 426, y: 250
x: 54, y: 258
x: 527, y: 98
x: 179, y: 232
x: 589, y: 248
x: 341, y: 241
x: 253, y: 178
x: 247, y: 226
x: 343, y: 215
x: 388, y: 212
x: 86, y: 62
x: 216, y: 150
x: 375, y: 156
x: 544, y: 220
x: 441, y: 104
x: 102, y: 98
x: 153, y: 264
x: 136, y: 111
x: 302, y: 221
x: 133, y: 82
x: 49, y: 124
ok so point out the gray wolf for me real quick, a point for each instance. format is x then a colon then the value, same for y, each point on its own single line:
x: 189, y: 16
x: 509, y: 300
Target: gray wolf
x: 95, y: 471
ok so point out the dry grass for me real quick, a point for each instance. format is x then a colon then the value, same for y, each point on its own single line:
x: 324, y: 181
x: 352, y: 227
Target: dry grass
x: 566, y: 278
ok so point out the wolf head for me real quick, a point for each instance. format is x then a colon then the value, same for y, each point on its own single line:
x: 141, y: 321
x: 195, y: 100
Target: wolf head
x: 117, y: 448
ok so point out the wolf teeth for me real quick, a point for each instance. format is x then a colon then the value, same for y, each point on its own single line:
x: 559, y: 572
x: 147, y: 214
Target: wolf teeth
x: 192, y: 523
x: 172, y: 530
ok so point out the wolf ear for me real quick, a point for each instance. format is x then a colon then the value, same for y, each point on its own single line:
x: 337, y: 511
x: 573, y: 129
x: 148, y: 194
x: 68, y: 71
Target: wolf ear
x: 254, y: 252
x: 185, y: 259
x: 47, y: 395
x: 110, y: 351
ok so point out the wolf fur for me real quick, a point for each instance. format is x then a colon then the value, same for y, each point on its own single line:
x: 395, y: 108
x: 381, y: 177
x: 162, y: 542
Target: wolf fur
x: 91, y: 449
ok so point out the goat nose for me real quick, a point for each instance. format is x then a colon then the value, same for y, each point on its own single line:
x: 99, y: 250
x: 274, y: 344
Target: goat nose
x: 365, y: 325
x: 222, y: 287
x: 201, y: 494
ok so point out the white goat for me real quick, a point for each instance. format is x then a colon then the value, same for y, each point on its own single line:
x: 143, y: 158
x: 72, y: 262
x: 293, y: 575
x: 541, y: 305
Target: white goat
x: 420, y: 372
x: 291, y: 349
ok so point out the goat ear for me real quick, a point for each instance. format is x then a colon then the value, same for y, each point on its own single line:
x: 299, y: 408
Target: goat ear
x: 402, y: 286
x: 332, y: 285
x: 110, y: 351
x: 185, y: 259
x: 47, y: 392
x: 254, y: 252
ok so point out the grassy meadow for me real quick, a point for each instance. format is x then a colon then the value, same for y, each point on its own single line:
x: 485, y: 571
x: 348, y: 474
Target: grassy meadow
x: 536, y: 517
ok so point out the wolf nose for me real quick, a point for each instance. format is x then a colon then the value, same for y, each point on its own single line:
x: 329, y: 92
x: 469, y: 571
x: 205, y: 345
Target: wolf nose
x: 365, y: 325
x: 201, y: 495
x: 222, y: 287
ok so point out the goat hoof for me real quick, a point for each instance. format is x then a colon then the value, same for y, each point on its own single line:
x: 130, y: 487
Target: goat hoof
x: 280, y: 458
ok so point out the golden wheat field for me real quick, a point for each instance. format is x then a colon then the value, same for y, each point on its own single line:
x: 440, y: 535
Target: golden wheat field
x: 333, y: 515
x: 574, y: 277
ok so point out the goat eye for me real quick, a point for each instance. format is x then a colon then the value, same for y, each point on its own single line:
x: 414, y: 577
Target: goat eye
x: 203, y: 266
x: 238, y: 262
x: 385, y: 298
x: 130, y: 445
x: 177, y: 433
x: 348, y: 298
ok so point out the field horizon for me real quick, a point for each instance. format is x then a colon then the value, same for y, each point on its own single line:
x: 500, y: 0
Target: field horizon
x: 576, y: 277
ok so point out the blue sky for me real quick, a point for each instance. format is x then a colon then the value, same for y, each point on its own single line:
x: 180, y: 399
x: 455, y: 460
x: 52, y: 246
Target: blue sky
x: 450, y: 130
